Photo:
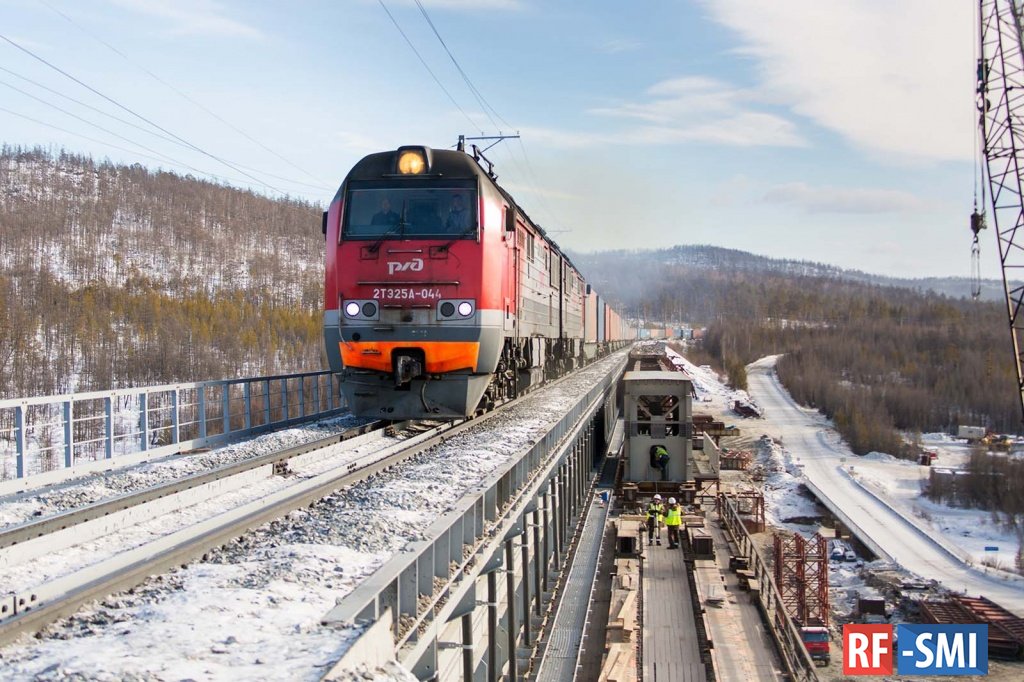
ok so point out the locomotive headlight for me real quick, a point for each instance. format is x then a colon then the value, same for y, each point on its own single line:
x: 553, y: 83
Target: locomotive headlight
x: 411, y: 162
x: 455, y: 309
x: 361, y: 310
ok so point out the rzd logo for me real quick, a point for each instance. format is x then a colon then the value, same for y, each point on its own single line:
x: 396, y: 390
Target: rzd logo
x: 415, y: 265
x: 916, y: 649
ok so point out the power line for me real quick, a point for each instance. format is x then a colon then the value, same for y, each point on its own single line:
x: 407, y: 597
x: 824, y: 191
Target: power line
x: 425, y: 66
x: 158, y: 153
x: 180, y: 93
x: 536, y: 192
x: 126, y: 122
x: 529, y: 176
x: 137, y: 115
x: 89, y: 106
x: 115, y: 146
x: 472, y: 88
x: 88, y: 122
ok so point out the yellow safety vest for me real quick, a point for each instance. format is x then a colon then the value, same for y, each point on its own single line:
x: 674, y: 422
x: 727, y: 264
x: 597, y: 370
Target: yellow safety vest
x: 655, y: 510
x: 674, y: 517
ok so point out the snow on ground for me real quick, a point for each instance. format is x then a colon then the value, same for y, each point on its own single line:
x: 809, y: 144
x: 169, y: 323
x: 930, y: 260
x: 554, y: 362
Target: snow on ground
x: 252, y: 610
x: 965, y: 532
x: 712, y: 394
x: 826, y: 461
x: 74, y: 493
x: 787, y: 505
x: 846, y: 584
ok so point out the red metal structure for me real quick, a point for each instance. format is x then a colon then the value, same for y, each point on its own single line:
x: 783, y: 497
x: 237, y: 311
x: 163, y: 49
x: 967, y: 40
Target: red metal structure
x: 442, y: 296
x: 801, y: 574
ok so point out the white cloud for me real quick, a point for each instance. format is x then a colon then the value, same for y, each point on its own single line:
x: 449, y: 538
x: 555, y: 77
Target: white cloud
x: 618, y: 45
x: 702, y: 109
x: 894, y: 78
x: 192, y: 17
x: 825, y: 199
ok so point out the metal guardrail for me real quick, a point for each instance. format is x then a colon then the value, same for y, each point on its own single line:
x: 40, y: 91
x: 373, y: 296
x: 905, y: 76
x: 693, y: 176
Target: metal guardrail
x: 54, y: 433
x: 785, y: 632
x: 851, y: 525
x: 425, y: 590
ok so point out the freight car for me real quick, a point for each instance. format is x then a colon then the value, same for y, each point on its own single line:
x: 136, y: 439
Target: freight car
x: 442, y: 297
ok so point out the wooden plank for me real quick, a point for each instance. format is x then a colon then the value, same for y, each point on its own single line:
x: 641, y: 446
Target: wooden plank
x: 619, y: 664
x: 671, y: 651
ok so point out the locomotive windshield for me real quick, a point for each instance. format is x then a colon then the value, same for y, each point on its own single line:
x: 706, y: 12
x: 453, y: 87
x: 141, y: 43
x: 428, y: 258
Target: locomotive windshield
x: 441, y: 212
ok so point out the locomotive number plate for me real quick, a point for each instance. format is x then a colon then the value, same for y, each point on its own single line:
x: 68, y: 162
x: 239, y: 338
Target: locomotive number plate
x: 406, y: 293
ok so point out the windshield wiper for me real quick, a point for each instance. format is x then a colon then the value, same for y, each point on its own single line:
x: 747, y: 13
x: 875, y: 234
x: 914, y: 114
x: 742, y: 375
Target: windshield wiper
x: 462, y: 235
x: 399, y: 226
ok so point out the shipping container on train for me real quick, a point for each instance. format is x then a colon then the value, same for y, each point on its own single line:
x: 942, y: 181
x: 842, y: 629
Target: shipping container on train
x: 442, y: 296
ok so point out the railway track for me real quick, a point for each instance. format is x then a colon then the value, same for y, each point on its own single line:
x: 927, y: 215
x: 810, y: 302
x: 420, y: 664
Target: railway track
x: 31, y: 530
x: 30, y: 608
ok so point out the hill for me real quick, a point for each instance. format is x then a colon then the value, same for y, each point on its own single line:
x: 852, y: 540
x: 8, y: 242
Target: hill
x: 650, y: 264
x: 118, y: 275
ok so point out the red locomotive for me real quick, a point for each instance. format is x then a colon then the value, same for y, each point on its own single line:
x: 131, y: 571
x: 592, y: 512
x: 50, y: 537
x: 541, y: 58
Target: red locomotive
x: 442, y: 296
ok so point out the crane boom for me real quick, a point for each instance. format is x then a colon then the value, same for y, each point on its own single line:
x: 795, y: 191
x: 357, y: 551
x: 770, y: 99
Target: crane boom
x: 1001, y: 120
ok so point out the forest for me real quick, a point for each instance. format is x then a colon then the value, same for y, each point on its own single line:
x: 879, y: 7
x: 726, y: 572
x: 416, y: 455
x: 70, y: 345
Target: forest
x: 120, y: 276
x: 879, y: 360
x: 115, y: 275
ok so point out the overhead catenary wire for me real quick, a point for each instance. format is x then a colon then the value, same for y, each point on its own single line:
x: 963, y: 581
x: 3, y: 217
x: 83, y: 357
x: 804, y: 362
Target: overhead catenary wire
x: 143, y: 129
x: 219, y: 178
x: 528, y: 175
x: 162, y: 156
x: 137, y: 115
x: 185, y: 96
x: 90, y: 123
x: 427, y: 67
x: 484, y: 104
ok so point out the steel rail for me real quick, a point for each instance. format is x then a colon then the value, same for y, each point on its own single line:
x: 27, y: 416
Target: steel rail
x: 30, y: 530
x: 35, y: 608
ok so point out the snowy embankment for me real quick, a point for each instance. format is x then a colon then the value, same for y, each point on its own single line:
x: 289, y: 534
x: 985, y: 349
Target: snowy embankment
x: 712, y: 394
x: 964, y: 532
x: 879, y: 514
x: 787, y: 504
x: 252, y: 609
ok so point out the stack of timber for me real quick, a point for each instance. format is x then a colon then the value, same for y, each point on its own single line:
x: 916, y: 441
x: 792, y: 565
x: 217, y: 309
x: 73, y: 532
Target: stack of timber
x: 622, y: 635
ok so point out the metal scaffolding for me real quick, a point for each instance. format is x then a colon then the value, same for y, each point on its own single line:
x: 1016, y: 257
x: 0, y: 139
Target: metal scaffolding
x: 801, y: 572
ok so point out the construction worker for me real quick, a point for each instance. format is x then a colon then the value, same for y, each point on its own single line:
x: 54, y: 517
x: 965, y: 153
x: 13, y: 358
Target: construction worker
x: 673, y: 520
x: 660, y: 459
x: 655, y: 514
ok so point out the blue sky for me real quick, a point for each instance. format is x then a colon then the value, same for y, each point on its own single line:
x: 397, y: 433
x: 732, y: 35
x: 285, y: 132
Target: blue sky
x: 838, y: 131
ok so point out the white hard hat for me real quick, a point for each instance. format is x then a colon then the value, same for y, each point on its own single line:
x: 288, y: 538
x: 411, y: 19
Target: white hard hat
x: 657, y: 497
x: 671, y: 500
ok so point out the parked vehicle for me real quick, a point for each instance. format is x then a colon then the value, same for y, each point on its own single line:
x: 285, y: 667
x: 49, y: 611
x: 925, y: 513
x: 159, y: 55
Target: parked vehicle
x: 850, y: 555
x: 816, y: 639
x: 971, y: 433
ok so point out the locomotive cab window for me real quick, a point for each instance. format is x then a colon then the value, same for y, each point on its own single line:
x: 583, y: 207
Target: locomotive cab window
x: 411, y: 213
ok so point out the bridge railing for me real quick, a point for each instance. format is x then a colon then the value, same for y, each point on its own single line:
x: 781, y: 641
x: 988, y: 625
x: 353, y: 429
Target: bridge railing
x: 48, y: 434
